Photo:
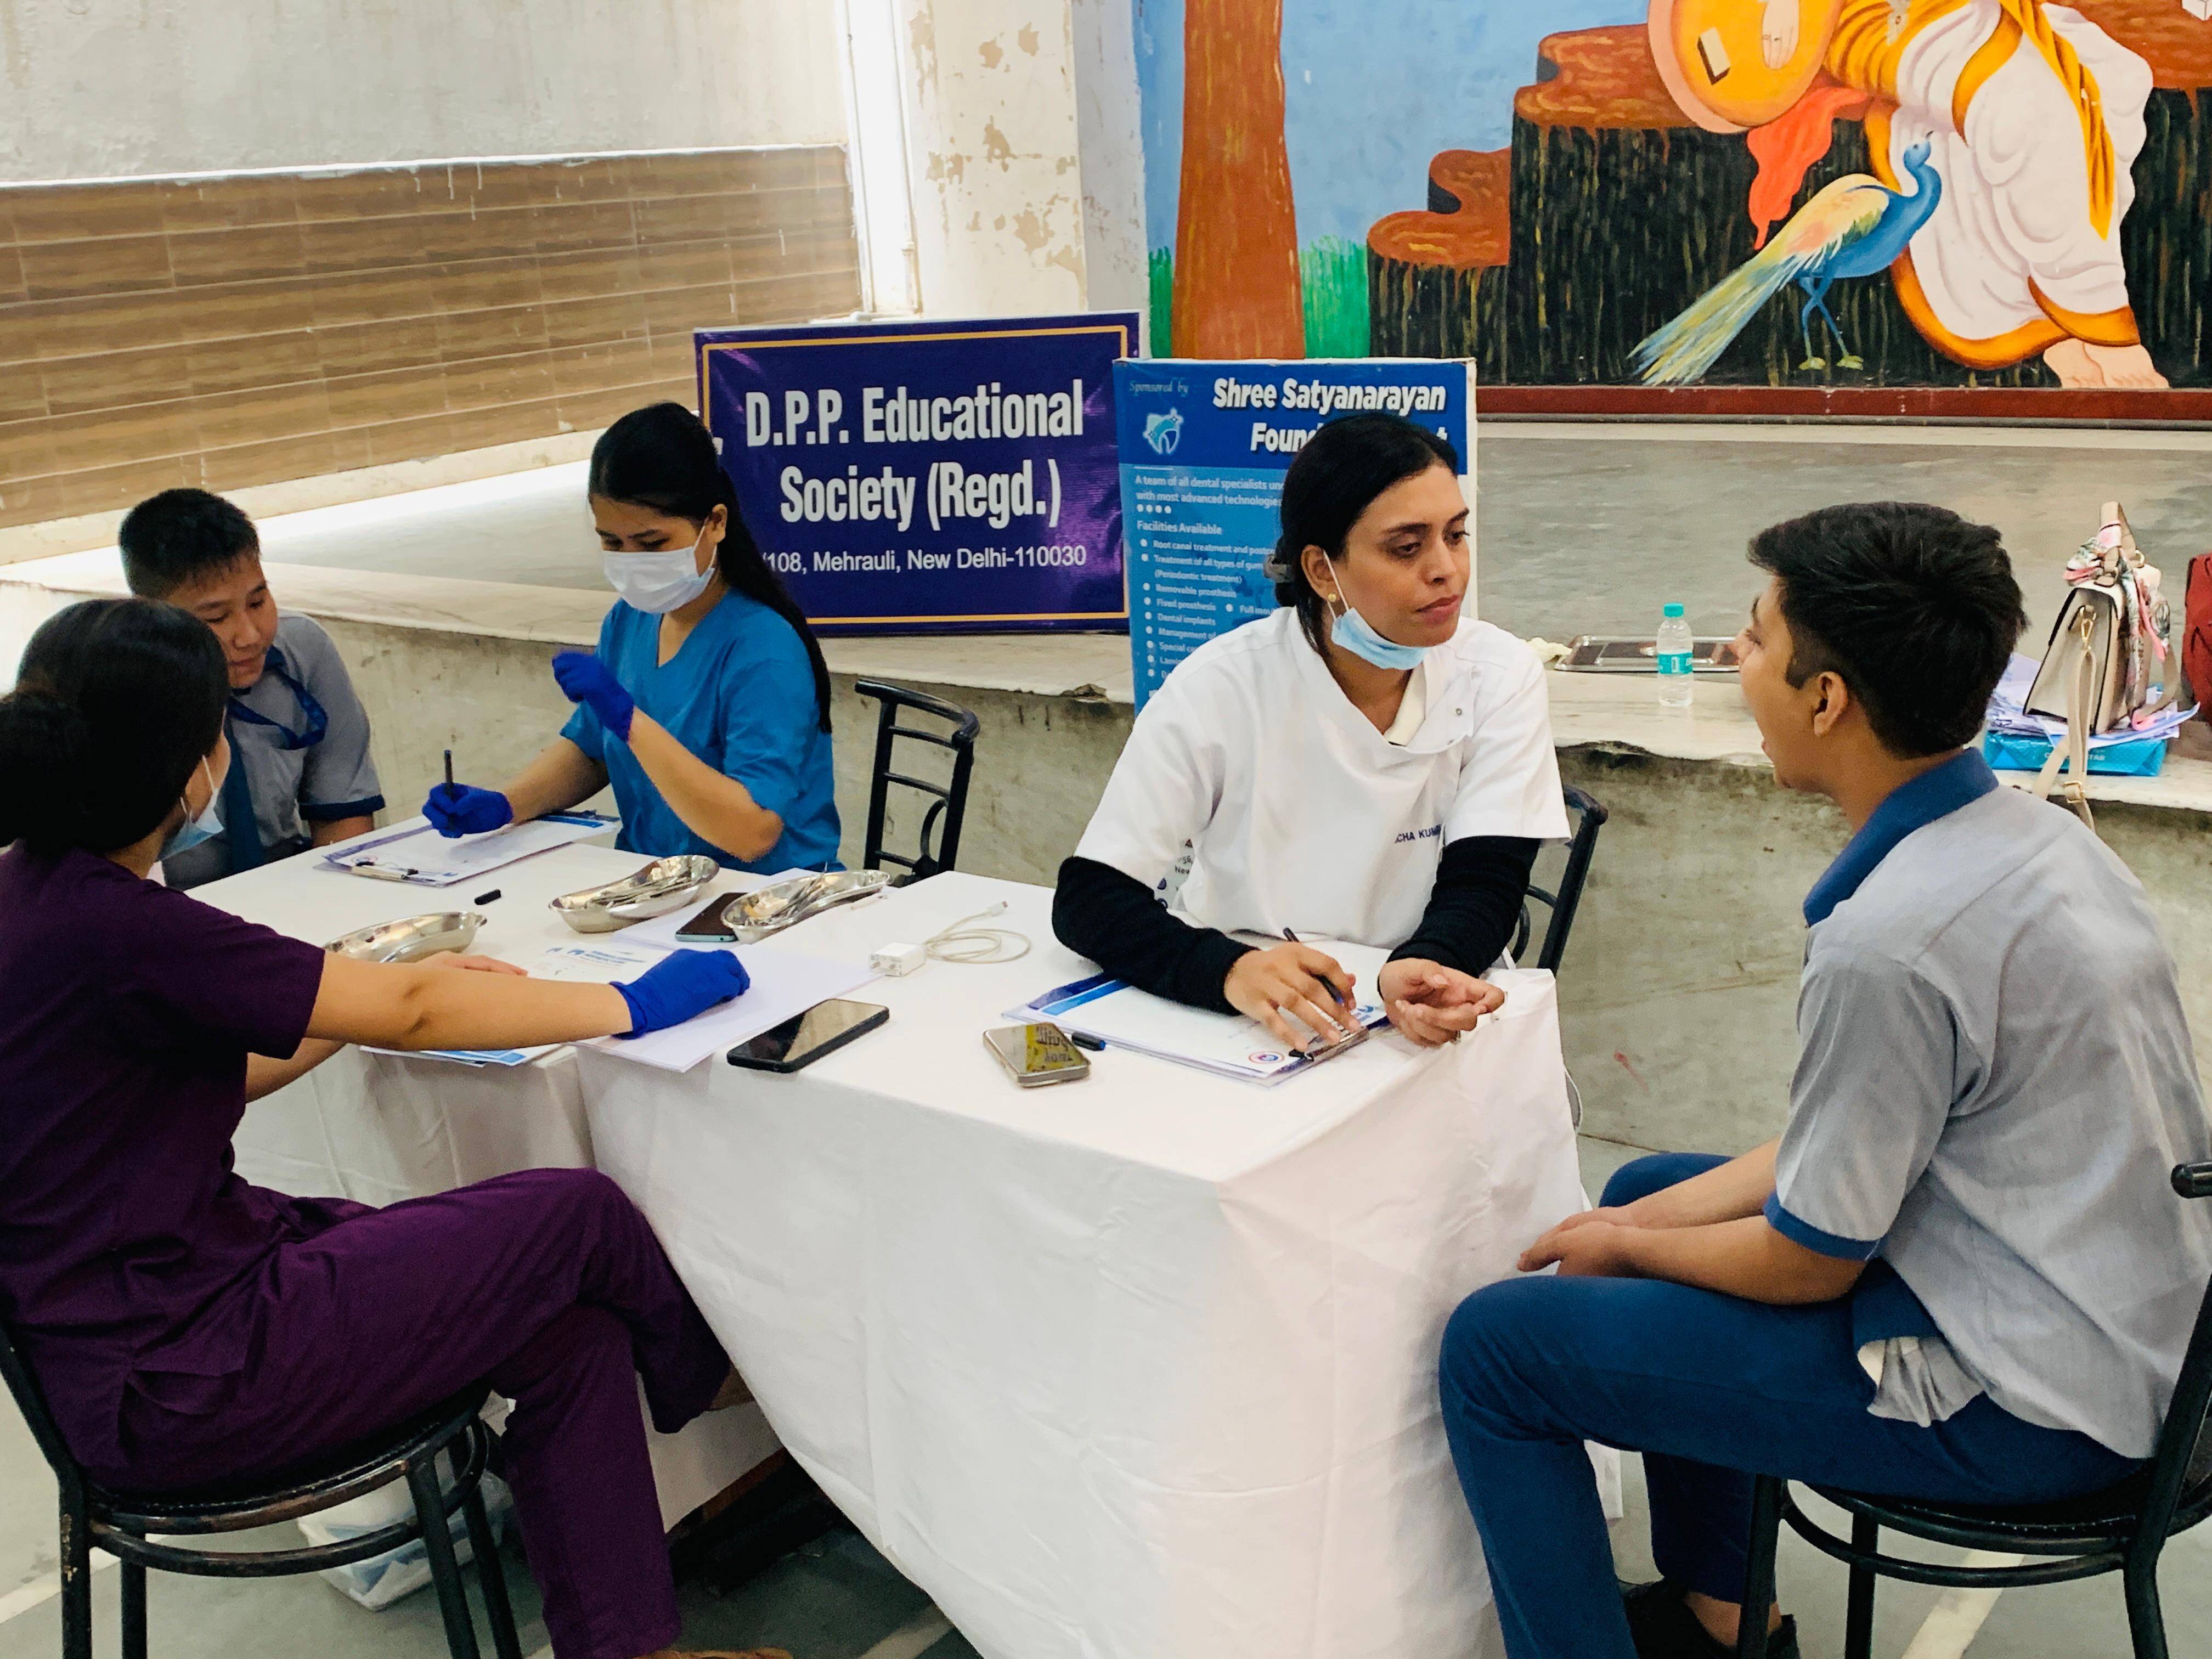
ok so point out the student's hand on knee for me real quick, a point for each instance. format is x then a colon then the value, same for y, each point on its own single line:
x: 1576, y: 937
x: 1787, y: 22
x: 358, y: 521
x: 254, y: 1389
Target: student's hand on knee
x: 1300, y: 994
x: 1433, y: 1005
x: 1592, y: 1243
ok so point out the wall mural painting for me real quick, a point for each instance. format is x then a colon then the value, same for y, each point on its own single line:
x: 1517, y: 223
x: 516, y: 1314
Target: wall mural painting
x: 1807, y: 194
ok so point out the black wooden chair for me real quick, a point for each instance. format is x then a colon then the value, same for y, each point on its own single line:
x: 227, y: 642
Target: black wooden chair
x: 125, y: 1524
x: 948, y: 806
x: 1588, y: 818
x: 2122, y: 1530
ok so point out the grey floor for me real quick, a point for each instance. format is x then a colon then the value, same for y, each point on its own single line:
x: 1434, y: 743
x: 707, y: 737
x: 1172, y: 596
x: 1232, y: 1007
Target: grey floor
x: 839, y: 1600
x: 1581, y: 528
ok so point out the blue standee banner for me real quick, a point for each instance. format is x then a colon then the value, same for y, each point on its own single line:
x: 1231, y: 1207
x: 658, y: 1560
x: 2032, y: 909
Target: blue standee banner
x: 929, y: 477
x: 1204, y: 448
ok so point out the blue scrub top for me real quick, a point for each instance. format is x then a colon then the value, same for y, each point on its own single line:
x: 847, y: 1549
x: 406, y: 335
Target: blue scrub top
x: 739, y: 695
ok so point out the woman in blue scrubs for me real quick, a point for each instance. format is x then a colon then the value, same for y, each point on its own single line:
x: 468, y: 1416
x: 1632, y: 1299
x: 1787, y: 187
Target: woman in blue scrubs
x: 707, y: 704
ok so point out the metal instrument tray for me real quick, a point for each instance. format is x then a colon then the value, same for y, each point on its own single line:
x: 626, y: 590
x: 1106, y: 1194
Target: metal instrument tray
x: 664, y: 884
x: 767, y: 911
x: 1599, y: 653
x: 412, y: 939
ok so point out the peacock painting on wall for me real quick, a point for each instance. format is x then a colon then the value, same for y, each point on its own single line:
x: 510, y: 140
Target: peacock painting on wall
x: 1808, y: 195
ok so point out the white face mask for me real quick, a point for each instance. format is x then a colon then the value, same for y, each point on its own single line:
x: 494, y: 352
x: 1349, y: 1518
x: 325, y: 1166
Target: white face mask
x: 658, y: 583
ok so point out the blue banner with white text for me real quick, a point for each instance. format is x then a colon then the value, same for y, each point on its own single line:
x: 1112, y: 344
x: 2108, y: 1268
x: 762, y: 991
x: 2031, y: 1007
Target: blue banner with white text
x: 1204, y: 446
x: 929, y: 477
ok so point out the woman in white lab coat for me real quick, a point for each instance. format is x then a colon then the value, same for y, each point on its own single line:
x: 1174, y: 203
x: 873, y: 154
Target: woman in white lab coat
x: 1366, y: 765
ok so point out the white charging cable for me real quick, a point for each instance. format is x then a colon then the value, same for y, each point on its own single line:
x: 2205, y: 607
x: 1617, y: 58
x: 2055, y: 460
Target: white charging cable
x: 964, y: 942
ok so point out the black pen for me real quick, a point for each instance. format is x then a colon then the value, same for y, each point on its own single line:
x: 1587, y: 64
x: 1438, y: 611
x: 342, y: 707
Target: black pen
x: 1335, y: 995
x: 449, y: 769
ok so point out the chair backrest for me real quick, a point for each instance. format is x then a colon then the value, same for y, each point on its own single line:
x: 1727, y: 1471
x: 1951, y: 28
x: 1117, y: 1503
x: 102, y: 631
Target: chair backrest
x: 31, y: 1400
x: 2182, y: 1466
x: 1588, y: 818
x: 937, y: 843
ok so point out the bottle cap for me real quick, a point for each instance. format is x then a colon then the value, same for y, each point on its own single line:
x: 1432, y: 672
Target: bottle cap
x: 1674, y: 610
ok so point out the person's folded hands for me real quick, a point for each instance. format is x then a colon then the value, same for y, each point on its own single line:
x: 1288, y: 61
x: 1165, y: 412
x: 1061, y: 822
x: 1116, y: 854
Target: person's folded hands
x: 1433, y: 1005
x: 1593, y: 1243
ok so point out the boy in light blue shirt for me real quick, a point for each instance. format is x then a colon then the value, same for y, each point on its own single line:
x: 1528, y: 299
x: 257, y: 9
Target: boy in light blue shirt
x: 1959, y: 1272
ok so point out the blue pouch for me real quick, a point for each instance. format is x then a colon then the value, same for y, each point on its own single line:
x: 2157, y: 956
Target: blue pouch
x: 2139, y: 759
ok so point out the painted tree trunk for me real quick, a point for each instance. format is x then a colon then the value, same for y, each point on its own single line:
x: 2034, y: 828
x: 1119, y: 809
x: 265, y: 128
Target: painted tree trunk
x: 1236, y: 285
x: 2168, y: 235
x: 1622, y: 215
x: 1436, y: 279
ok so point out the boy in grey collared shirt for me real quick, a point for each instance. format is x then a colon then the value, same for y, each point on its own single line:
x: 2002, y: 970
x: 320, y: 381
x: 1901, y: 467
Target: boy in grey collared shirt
x: 301, y: 772
x: 1960, y: 1273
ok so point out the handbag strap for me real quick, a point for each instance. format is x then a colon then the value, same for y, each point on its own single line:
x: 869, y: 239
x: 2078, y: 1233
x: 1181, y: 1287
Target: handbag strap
x: 2074, y: 753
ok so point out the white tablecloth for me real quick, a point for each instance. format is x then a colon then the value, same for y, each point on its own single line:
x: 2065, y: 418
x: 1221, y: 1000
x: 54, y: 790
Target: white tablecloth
x: 1137, y: 1368
x: 381, y: 1127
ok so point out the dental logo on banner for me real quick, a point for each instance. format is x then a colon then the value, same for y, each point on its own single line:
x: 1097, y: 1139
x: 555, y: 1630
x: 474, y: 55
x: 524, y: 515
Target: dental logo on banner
x: 1204, y: 446
x: 929, y: 477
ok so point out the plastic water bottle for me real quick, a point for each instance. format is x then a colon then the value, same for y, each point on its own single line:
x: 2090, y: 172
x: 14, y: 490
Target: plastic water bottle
x: 1674, y: 658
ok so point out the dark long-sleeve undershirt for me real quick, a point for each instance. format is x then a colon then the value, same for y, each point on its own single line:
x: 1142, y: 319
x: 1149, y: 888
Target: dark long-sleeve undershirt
x: 1475, y: 904
x: 1113, y: 919
x: 1116, y: 921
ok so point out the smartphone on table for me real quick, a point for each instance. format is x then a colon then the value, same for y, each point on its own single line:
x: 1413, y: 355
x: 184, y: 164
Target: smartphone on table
x: 805, y: 1038
x: 708, y: 925
x: 1037, y: 1055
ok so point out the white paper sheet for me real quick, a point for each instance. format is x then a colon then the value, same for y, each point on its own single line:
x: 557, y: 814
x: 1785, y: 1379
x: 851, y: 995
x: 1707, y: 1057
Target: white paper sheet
x: 419, y: 855
x: 786, y: 984
x: 477, y: 1057
x: 2008, y: 712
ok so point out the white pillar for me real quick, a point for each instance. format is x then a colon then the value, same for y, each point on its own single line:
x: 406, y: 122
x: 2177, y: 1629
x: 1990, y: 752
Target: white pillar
x: 1023, y: 165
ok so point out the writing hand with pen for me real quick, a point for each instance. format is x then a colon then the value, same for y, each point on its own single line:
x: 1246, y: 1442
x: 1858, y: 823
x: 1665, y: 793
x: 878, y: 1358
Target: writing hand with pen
x: 461, y: 809
x: 1300, y: 994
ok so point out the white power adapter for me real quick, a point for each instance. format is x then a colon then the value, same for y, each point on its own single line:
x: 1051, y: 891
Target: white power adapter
x: 896, y: 960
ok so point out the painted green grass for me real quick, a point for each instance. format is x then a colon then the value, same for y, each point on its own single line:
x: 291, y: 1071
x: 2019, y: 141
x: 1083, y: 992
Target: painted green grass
x: 1333, y: 273
x: 1163, y: 302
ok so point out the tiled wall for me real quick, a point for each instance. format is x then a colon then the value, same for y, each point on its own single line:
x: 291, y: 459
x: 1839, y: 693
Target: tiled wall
x: 251, y: 328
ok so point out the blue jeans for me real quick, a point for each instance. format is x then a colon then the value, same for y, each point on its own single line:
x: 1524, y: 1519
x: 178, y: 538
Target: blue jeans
x: 1713, y: 1390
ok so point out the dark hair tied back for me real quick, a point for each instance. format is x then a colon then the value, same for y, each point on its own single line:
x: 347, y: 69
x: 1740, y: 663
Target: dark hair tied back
x: 1343, y: 466
x: 662, y: 458
x: 116, y: 703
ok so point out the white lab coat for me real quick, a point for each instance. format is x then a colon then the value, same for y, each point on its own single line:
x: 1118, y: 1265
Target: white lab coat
x: 1297, y: 813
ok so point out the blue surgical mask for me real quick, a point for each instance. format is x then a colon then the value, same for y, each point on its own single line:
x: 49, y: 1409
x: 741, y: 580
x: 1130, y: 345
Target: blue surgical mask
x: 1351, y: 630
x: 658, y: 583
x: 195, y: 830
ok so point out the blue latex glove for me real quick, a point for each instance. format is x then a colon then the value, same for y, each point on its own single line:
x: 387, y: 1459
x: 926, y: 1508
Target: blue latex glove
x: 587, y: 680
x: 689, y: 982
x: 462, y: 809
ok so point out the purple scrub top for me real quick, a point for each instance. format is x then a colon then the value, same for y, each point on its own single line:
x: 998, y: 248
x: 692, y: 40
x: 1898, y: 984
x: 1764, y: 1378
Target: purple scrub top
x: 126, y: 1243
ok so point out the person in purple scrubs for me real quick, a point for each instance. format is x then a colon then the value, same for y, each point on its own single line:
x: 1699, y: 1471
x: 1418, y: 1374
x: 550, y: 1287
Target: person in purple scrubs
x: 187, y: 1328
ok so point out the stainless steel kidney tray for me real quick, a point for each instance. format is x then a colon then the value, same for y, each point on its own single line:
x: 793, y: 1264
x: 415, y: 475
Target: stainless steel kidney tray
x: 662, y: 885
x: 767, y: 910
x: 411, y: 939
